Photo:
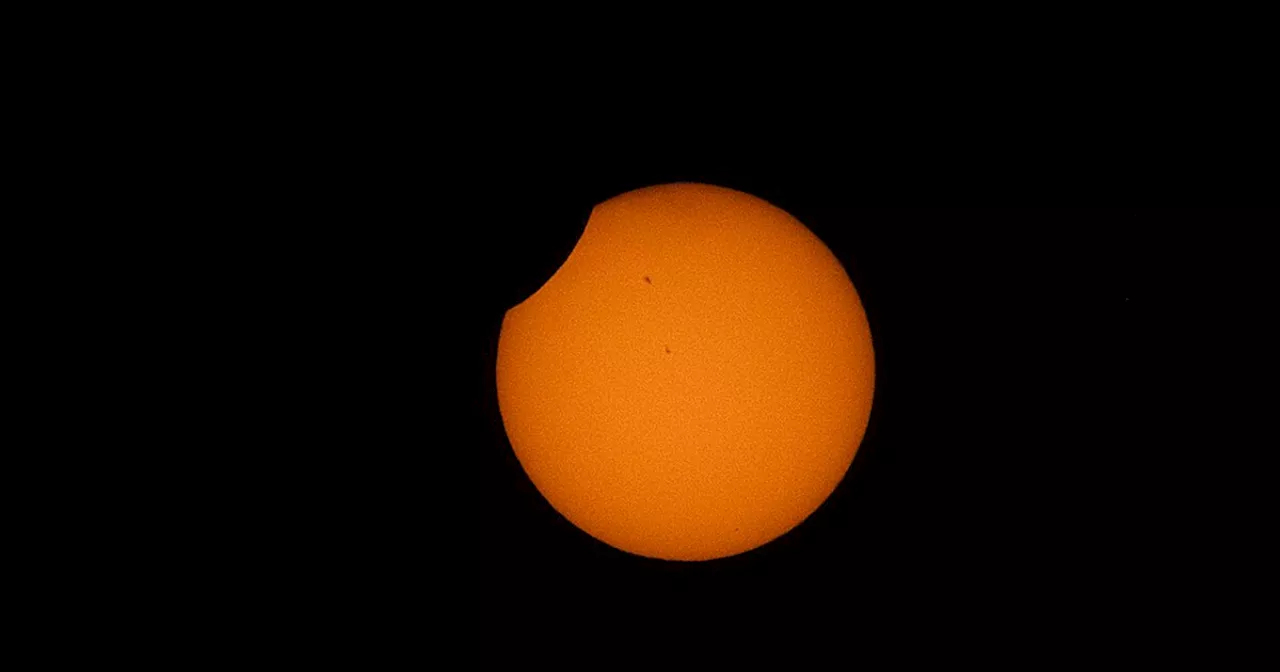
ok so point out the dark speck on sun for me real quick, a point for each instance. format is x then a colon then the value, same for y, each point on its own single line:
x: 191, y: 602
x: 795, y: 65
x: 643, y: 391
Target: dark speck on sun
x: 647, y: 280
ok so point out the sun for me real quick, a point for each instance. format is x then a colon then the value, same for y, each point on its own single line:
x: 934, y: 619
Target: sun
x: 696, y: 378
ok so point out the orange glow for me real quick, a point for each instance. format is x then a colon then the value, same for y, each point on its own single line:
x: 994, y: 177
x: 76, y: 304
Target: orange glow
x: 695, y: 379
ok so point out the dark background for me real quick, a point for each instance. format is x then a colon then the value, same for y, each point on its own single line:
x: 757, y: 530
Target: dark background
x: 339, y: 230
x: 338, y: 237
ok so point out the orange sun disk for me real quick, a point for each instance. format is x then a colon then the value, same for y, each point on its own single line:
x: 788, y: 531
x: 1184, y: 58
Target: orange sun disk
x: 695, y: 379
